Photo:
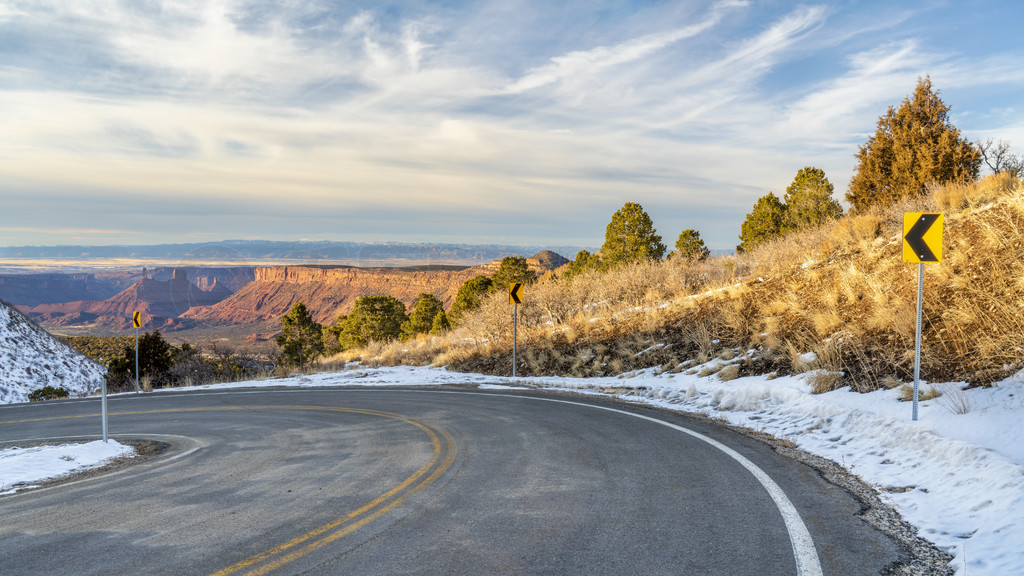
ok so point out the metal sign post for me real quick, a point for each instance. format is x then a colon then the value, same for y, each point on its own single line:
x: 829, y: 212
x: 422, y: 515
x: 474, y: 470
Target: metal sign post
x: 103, y: 404
x: 922, y: 242
x: 515, y: 336
x: 515, y: 298
x: 917, y: 337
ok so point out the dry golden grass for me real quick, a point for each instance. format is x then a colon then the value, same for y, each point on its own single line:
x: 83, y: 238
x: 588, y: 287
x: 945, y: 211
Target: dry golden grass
x: 841, y: 291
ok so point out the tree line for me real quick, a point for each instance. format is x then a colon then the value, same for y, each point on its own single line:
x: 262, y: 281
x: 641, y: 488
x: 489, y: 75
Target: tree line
x: 382, y: 318
x: 162, y: 364
x: 914, y: 146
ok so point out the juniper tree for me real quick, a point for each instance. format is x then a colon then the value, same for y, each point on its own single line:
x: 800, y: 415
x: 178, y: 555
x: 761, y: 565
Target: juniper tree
x: 512, y: 269
x: 913, y: 146
x: 301, y: 339
x: 765, y: 222
x: 469, y: 296
x: 421, y: 319
x: 373, y: 318
x: 691, y: 247
x: 808, y: 200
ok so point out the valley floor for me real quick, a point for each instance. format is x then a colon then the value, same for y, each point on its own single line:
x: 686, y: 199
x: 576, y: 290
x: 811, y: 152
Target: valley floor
x: 957, y: 474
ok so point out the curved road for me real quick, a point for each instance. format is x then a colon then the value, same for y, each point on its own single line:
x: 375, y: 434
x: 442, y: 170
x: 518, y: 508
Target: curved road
x: 425, y: 481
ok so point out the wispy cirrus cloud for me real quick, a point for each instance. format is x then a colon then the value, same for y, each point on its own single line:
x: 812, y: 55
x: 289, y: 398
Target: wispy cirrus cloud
x: 483, y: 116
x: 596, y: 61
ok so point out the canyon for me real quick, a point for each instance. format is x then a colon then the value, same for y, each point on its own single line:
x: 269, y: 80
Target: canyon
x: 237, y: 304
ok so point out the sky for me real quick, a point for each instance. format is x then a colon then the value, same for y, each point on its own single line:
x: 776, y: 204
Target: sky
x: 509, y: 122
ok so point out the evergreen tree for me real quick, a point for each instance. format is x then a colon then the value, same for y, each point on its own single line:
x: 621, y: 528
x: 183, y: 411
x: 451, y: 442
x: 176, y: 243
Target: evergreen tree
x: 691, y: 247
x: 631, y: 237
x: 512, y: 269
x: 584, y: 262
x: 809, y: 200
x: 470, y: 296
x: 301, y: 339
x: 765, y: 222
x: 913, y: 146
x: 155, y: 361
x: 373, y: 318
x: 421, y: 319
x: 440, y: 325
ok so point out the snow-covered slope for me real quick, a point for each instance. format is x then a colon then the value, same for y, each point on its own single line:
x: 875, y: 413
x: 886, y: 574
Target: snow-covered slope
x: 31, y: 358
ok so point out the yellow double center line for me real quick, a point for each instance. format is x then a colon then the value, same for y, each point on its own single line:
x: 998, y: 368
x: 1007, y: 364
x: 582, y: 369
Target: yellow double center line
x: 444, y: 450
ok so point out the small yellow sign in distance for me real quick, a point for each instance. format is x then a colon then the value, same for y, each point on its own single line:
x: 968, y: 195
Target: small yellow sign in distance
x: 136, y: 319
x: 515, y: 293
x: 922, y: 237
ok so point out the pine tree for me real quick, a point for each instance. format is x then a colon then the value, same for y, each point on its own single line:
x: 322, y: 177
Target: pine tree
x: 631, y: 237
x: 691, y: 247
x: 421, y: 319
x: 765, y: 222
x: 469, y: 296
x: 809, y: 200
x: 584, y: 262
x: 512, y: 269
x: 440, y: 325
x: 301, y: 339
x: 373, y: 318
x: 913, y: 146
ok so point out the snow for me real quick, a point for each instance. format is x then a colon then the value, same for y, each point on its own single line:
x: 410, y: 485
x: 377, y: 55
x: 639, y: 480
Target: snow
x: 958, y: 477
x: 22, y: 468
x: 30, y: 359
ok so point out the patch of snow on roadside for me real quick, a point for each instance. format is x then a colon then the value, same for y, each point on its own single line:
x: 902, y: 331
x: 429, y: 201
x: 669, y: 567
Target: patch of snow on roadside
x: 22, y: 468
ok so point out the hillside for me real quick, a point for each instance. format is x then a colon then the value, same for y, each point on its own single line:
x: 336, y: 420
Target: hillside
x: 30, y: 359
x: 837, y: 301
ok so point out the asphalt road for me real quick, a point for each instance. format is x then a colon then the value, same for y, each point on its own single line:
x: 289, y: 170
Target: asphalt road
x: 425, y: 481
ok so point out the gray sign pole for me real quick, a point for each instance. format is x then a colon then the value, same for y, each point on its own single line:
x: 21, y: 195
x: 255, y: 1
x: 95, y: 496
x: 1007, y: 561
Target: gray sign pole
x: 515, y: 336
x: 103, y: 403
x: 136, y: 360
x: 917, y: 339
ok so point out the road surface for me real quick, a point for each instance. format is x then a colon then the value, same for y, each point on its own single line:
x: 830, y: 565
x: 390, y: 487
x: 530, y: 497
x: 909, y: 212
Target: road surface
x: 425, y: 481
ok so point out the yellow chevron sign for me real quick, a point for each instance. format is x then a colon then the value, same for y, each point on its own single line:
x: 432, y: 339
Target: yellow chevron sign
x: 515, y: 293
x: 136, y: 319
x: 922, y: 237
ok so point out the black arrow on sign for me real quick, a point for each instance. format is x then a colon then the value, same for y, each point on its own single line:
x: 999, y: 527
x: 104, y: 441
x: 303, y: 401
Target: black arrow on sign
x: 514, y: 293
x: 916, y: 237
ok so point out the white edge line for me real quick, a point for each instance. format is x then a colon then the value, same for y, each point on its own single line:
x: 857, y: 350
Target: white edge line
x: 806, y: 556
x: 807, y: 562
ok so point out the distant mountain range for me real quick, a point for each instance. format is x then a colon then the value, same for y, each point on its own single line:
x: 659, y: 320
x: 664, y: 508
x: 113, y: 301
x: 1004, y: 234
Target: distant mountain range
x: 266, y: 252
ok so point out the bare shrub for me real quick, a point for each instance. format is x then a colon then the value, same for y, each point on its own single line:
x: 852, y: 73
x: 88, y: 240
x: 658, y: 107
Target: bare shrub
x: 730, y: 372
x: 956, y: 399
x: 923, y: 393
x: 822, y: 381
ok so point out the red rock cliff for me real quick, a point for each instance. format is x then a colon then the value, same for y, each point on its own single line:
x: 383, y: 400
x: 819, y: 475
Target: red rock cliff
x: 327, y: 292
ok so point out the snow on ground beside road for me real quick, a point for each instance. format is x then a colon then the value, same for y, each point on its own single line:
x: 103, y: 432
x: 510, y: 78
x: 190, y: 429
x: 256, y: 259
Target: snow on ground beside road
x: 958, y: 477
x: 21, y: 468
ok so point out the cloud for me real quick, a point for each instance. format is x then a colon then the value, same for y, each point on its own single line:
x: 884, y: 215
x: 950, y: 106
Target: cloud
x: 595, y: 61
x: 261, y: 114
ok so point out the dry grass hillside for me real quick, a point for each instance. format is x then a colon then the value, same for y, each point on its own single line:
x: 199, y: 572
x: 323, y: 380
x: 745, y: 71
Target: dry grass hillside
x: 837, y: 300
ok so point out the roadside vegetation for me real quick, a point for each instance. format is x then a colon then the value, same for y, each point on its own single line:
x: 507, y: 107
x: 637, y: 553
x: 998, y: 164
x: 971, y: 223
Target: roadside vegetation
x: 810, y: 289
x: 163, y: 365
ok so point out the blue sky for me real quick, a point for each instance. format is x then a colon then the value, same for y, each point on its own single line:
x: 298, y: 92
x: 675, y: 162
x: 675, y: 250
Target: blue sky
x: 514, y: 122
